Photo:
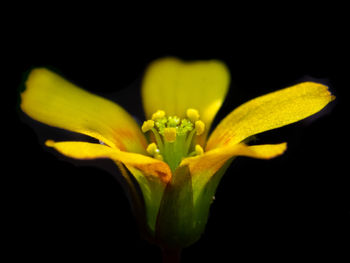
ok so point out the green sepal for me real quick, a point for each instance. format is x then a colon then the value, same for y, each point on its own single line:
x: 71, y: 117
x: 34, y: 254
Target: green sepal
x: 174, y: 227
x: 181, y: 219
x: 206, y: 197
x: 152, y: 191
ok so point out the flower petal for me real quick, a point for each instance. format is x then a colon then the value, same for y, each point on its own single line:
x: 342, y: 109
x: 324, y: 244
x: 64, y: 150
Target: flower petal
x: 50, y: 99
x: 174, y: 86
x: 85, y: 150
x: 269, y: 112
x: 214, y: 159
x: 202, y: 167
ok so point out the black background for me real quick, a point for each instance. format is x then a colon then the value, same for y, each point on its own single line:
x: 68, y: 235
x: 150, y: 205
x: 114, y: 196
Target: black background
x: 295, y: 206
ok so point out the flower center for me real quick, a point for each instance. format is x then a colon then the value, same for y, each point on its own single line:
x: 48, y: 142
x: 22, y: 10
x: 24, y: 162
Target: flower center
x: 174, y: 137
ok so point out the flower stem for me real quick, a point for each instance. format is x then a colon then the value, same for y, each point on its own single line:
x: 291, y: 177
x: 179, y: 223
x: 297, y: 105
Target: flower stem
x: 171, y: 255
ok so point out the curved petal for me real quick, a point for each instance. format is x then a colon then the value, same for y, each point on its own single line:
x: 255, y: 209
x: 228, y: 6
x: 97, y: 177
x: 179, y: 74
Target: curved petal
x: 270, y: 111
x: 174, y: 86
x: 50, y: 99
x: 214, y: 159
x: 203, y: 167
x: 84, y: 150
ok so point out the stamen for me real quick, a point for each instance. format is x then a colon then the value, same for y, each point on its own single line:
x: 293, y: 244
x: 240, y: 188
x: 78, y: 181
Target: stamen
x: 159, y: 157
x: 199, y: 149
x: 200, y: 127
x: 152, y: 149
x: 189, y: 140
x: 158, y: 138
x: 173, y: 121
x: 170, y: 134
x: 192, y: 114
x: 185, y: 127
x: 147, y: 125
x: 158, y: 115
x: 173, y: 137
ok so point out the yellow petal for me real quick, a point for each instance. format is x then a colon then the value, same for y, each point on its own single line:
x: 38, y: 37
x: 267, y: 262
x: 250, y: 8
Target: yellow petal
x: 85, y: 150
x: 175, y: 86
x: 50, y: 99
x: 269, y: 112
x: 214, y: 159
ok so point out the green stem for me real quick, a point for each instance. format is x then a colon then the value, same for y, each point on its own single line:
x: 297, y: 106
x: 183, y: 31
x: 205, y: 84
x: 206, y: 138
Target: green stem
x: 171, y: 255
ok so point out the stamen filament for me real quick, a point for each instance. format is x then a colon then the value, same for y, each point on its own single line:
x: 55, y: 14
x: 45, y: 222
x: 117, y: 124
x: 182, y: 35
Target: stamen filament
x: 198, y: 151
x: 158, y: 139
x: 189, y: 140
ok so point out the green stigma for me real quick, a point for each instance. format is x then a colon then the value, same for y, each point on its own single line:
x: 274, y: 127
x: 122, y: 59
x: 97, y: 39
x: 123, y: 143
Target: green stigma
x: 174, y: 137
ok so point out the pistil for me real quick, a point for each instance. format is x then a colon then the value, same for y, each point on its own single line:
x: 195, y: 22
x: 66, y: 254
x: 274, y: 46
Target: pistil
x: 173, y: 138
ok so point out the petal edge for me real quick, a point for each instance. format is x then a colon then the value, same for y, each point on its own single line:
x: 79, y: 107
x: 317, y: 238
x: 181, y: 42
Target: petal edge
x: 174, y: 86
x: 213, y: 160
x: 85, y: 150
x: 270, y: 111
x: 51, y: 99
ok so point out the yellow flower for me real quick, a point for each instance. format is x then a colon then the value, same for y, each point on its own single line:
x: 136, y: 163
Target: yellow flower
x: 176, y: 165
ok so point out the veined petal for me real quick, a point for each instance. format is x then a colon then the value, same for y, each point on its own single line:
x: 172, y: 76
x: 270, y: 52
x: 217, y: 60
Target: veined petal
x: 174, y: 86
x: 214, y: 159
x: 84, y: 150
x: 203, y: 167
x: 270, y: 111
x: 50, y: 99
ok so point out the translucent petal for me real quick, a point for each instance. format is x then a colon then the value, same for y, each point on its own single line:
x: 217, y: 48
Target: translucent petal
x: 270, y: 111
x: 50, y: 99
x: 84, y: 150
x: 175, y: 86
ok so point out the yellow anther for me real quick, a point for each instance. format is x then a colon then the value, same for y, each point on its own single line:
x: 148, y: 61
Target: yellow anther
x: 170, y: 134
x: 200, y: 127
x: 192, y: 114
x: 199, y: 149
x: 147, y: 125
x: 50, y: 143
x: 159, y: 157
x: 158, y: 114
x: 152, y: 149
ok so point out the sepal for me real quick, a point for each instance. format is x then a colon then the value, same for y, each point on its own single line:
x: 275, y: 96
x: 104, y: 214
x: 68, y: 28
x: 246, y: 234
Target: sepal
x: 174, y: 227
x: 181, y: 219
